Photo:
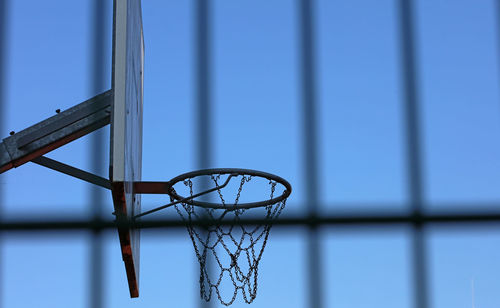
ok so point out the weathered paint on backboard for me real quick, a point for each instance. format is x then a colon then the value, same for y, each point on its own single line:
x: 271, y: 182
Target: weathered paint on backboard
x: 126, y: 128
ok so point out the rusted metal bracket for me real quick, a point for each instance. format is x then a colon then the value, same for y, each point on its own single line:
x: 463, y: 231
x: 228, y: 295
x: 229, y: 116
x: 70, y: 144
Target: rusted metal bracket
x: 151, y: 187
x: 56, y: 131
x: 156, y: 187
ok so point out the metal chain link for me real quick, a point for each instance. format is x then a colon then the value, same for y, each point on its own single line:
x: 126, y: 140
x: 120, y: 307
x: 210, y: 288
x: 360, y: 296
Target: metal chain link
x: 244, y: 281
x: 242, y: 182
x: 215, y: 179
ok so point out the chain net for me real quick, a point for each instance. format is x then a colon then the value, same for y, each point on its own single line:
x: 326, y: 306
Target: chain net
x: 228, y: 253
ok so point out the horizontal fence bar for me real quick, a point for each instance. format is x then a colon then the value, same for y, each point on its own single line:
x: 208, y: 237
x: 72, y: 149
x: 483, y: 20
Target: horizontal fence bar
x: 457, y: 218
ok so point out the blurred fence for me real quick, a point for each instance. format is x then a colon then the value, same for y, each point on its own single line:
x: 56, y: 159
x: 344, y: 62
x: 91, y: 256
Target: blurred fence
x: 416, y: 218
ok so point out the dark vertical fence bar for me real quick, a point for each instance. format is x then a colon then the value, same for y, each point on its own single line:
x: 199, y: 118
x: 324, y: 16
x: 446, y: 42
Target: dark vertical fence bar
x: 203, y: 94
x: 203, y: 87
x: 307, y: 44
x: 497, y: 32
x: 3, y: 52
x: 414, y: 171
x: 97, y: 73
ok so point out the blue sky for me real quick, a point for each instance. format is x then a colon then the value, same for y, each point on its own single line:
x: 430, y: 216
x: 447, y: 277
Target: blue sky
x: 257, y: 124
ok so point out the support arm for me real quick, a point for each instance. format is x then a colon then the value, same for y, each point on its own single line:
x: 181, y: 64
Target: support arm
x: 168, y: 184
x: 74, y: 172
x: 55, y: 131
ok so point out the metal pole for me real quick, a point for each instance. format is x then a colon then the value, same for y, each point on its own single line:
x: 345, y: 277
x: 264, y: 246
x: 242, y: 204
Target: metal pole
x: 476, y: 221
x: 203, y: 95
x: 3, y: 44
x: 309, y: 104
x: 96, y: 154
x: 413, y: 139
x: 203, y: 86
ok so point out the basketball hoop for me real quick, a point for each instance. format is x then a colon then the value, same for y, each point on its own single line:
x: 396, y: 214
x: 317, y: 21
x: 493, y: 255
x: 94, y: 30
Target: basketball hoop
x: 235, y: 249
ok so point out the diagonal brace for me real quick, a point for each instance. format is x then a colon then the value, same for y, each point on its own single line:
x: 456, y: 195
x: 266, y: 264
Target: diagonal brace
x: 74, y: 172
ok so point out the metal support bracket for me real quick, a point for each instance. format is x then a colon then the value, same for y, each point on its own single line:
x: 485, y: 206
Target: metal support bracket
x: 164, y: 187
x: 72, y: 171
x: 56, y: 131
